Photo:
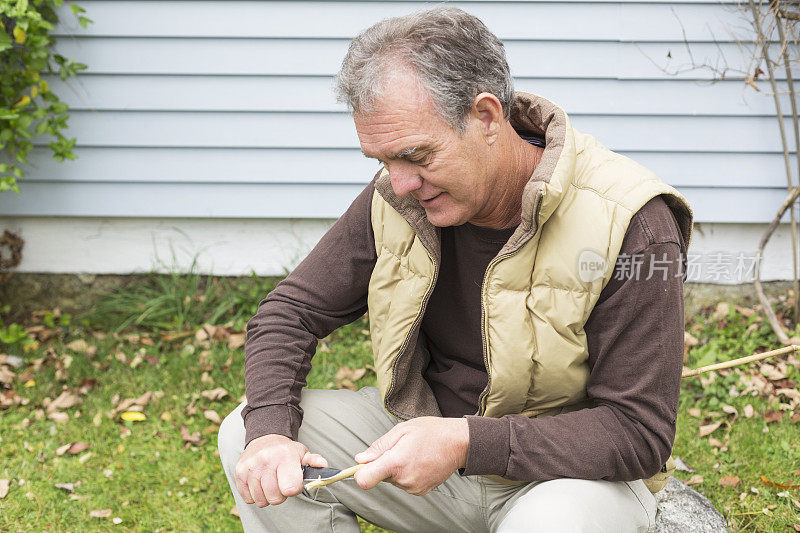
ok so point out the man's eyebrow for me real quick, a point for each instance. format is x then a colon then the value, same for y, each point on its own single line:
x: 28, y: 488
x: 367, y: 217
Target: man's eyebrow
x: 404, y: 153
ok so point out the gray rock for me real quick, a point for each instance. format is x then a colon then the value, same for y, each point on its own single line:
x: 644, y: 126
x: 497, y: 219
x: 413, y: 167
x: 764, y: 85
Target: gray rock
x: 683, y: 509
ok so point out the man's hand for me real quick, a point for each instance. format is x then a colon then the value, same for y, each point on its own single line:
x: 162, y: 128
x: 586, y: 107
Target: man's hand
x: 417, y: 455
x: 269, y: 470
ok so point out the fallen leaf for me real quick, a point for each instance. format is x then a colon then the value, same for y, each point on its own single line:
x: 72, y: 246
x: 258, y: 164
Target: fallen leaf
x: 695, y: 480
x: 695, y: 412
x: 76, y: 447
x: 100, y: 513
x: 69, y: 487
x: 65, y: 400
x: 773, y: 416
x: 236, y: 340
x: 58, y: 417
x: 206, y: 378
x: 4, y: 484
x: 748, y: 411
x: 214, y: 394
x: 212, y: 416
x: 141, y: 401
x: 708, y: 429
x: 78, y: 345
x: 729, y: 481
x: 722, y: 311
x: 166, y: 416
x: 731, y: 410
x: 61, y: 450
x: 715, y: 442
x: 133, y: 416
x: 85, y: 457
x: 189, y: 437
x: 769, y: 483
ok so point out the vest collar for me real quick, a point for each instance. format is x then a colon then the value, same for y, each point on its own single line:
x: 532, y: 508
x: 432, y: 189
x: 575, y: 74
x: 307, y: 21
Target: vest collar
x: 545, y: 189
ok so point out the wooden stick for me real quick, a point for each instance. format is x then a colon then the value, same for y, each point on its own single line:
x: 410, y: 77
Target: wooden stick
x: 346, y: 473
x: 740, y: 361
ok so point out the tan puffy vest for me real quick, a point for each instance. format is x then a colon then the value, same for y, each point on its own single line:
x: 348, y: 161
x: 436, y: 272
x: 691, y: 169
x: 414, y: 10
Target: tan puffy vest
x: 537, y: 292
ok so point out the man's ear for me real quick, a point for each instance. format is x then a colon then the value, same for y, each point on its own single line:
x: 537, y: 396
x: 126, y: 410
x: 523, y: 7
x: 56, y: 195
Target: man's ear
x: 487, y: 109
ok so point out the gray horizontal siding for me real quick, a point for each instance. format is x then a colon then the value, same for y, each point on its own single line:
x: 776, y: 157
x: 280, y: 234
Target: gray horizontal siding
x: 336, y: 130
x: 346, y: 166
x: 279, y: 200
x: 225, y: 109
x: 588, y: 21
x: 322, y: 57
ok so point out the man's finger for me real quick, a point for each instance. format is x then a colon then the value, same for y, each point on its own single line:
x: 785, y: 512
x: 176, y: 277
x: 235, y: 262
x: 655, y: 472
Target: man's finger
x: 240, y: 475
x: 383, y: 443
x: 314, y: 459
x: 244, y: 490
x: 376, y: 471
x: 256, y: 491
x: 269, y: 484
x: 290, y: 478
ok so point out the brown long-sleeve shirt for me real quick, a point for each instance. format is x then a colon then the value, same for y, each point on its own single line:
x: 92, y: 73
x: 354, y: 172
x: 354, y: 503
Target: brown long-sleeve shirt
x: 634, y: 335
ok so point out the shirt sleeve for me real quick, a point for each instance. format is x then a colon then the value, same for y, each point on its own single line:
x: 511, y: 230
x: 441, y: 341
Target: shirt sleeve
x: 635, y: 342
x: 328, y: 289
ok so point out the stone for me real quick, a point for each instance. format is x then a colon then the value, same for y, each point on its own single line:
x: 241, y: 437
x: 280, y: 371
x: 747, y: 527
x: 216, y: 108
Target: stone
x: 681, y: 508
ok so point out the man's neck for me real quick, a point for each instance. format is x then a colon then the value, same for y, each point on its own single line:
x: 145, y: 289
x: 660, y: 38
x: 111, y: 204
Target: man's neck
x: 523, y: 157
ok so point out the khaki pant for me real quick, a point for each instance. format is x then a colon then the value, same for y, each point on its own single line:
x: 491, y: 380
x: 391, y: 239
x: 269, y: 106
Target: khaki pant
x: 340, y: 423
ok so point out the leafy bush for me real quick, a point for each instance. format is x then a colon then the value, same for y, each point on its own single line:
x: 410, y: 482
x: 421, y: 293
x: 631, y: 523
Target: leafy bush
x: 27, y: 105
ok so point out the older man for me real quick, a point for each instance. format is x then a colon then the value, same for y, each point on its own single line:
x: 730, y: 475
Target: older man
x: 524, y: 287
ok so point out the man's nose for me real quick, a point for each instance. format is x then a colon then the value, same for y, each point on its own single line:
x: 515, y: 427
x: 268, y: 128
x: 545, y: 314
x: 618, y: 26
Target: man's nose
x: 404, y: 178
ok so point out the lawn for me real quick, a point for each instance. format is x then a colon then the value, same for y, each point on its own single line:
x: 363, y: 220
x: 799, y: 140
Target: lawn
x: 169, y: 350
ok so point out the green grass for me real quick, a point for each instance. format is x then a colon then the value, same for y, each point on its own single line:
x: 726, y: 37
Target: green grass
x: 155, y: 484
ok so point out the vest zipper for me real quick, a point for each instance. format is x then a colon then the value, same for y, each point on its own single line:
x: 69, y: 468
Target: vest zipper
x: 414, y: 326
x: 492, y: 263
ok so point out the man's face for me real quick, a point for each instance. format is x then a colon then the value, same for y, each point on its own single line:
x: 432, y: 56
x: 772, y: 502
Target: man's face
x: 425, y: 157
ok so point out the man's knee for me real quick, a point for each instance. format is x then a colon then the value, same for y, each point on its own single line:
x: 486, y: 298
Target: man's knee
x: 577, y: 505
x: 230, y: 440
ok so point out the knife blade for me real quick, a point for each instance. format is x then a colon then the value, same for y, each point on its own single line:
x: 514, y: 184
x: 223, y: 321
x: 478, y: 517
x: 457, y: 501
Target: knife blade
x: 313, y: 473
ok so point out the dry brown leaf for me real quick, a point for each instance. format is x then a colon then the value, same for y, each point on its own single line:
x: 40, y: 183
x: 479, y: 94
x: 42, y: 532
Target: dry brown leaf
x: 206, y: 378
x: 61, y: 450
x: 129, y: 403
x: 747, y: 312
x: 236, y: 340
x: 773, y: 372
x: 100, y: 513
x: 695, y: 412
x: 6, y: 375
x: 715, y: 442
x: 189, y: 437
x: 769, y: 483
x: 214, y: 394
x: 4, y: 484
x: 78, y: 345
x: 708, y: 429
x: 748, y: 411
x: 77, y: 447
x: 722, y: 310
x: 65, y: 400
x: 58, y: 417
x: 731, y: 410
x: 773, y: 416
x: 212, y: 416
x: 729, y: 481
x: 695, y: 480
x: 69, y: 487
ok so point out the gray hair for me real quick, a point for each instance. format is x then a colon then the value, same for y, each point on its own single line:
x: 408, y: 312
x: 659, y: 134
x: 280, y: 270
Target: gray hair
x: 453, y: 54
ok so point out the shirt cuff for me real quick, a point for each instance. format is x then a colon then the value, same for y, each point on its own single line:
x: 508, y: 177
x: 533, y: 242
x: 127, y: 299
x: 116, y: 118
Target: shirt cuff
x: 489, y: 446
x: 280, y: 419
